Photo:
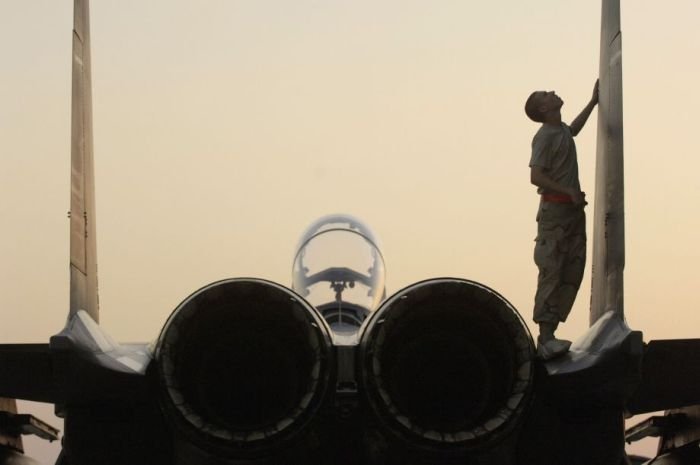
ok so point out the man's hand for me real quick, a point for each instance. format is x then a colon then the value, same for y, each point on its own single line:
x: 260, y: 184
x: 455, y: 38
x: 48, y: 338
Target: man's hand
x: 578, y: 197
x: 577, y: 124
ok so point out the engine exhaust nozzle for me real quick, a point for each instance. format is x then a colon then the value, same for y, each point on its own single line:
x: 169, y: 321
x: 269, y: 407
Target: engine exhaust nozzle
x: 243, y: 365
x: 446, y: 365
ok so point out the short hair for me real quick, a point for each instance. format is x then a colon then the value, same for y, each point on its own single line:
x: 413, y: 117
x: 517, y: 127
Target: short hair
x: 532, y: 109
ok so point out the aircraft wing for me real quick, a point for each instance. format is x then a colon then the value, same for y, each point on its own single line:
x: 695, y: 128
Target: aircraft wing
x: 98, y: 367
x: 670, y: 376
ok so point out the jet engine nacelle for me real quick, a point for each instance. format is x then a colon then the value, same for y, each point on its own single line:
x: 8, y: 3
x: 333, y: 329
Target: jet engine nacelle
x: 243, y: 365
x: 447, y: 367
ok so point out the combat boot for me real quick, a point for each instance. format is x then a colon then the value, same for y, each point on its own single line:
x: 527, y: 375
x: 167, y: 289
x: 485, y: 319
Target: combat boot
x: 548, y: 346
x: 552, y: 348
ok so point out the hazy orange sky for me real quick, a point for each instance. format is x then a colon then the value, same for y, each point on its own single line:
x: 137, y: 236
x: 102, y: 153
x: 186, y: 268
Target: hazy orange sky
x: 223, y: 128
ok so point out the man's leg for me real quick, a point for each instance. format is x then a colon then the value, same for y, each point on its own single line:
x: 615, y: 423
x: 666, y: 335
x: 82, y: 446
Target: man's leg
x: 550, y: 260
x: 573, y: 265
x: 549, y: 263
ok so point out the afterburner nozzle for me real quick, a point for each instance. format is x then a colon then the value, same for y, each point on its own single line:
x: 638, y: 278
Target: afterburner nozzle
x: 446, y: 365
x: 243, y: 366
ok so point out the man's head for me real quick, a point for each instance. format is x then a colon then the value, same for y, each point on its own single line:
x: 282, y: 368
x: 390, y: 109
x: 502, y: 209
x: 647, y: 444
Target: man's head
x: 541, y: 103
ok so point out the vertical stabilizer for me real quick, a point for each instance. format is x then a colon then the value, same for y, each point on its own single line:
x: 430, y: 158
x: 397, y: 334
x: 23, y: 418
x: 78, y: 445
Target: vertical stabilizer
x: 83, y: 260
x: 609, y: 213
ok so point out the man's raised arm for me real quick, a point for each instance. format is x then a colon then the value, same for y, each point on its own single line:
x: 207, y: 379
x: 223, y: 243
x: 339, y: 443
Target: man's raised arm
x: 577, y: 124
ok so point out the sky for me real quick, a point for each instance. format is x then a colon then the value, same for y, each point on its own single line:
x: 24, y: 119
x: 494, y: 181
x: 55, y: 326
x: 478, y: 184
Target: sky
x: 223, y: 128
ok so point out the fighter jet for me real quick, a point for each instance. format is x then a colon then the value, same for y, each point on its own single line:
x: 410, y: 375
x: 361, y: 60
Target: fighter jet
x: 331, y: 370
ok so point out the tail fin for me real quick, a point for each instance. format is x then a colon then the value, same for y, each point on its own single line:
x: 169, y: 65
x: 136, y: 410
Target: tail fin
x: 609, y: 214
x: 83, y: 246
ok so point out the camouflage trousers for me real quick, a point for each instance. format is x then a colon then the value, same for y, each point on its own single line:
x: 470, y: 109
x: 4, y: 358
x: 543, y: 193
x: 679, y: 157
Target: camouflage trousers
x: 560, y: 255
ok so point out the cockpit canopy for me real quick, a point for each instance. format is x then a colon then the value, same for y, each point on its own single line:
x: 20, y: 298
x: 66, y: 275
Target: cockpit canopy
x: 339, y: 269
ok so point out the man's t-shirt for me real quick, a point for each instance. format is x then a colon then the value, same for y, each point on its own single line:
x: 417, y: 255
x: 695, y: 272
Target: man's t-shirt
x: 554, y: 149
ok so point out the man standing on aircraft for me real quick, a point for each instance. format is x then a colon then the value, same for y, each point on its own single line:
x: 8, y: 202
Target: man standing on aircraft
x: 560, y: 248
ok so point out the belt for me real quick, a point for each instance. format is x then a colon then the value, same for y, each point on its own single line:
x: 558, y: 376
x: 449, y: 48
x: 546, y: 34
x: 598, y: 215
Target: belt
x: 557, y: 198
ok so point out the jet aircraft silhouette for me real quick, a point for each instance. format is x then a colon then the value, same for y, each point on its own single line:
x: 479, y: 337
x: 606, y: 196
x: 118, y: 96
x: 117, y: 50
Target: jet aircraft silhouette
x: 331, y: 371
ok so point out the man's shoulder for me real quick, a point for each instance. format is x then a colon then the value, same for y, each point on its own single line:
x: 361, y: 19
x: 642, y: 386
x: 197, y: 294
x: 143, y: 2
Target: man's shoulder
x: 545, y: 133
x: 567, y: 129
